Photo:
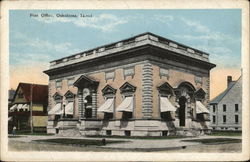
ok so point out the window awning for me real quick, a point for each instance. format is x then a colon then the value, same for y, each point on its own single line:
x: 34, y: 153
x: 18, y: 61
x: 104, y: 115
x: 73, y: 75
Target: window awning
x: 56, y: 110
x: 13, y: 107
x: 108, y: 106
x: 19, y: 106
x: 200, y: 108
x: 166, y: 105
x: 25, y: 106
x: 126, y: 105
x: 68, y: 109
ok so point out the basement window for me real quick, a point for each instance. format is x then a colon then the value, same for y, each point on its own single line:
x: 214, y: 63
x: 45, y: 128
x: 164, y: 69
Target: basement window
x: 127, y: 133
x: 108, y: 132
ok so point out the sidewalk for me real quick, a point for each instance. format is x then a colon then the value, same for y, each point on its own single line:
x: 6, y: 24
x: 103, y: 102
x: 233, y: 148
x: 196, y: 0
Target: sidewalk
x: 133, y: 144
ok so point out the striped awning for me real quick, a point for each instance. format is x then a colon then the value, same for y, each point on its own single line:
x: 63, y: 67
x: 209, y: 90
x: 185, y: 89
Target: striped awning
x: 108, y: 106
x: 19, y: 106
x: 126, y: 105
x: 13, y: 108
x: 25, y: 107
x: 166, y: 105
x: 200, y: 108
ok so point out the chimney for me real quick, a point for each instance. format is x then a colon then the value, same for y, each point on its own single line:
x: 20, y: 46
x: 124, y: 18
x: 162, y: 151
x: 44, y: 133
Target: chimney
x: 229, y: 80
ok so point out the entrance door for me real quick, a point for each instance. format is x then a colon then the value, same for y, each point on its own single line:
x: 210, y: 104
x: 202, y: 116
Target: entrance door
x: 182, y: 110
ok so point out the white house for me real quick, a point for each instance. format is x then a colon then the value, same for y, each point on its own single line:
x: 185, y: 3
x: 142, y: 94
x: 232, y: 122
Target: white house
x: 226, y: 108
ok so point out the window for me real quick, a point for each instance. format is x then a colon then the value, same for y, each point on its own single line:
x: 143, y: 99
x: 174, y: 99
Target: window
x: 127, y: 133
x: 164, y: 72
x: 70, y: 81
x: 224, y: 118
x: 236, y: 107
x: 58, y: 84
x: 129, y: 71
x: 214, y: 119
x: 224, y: 108
x: 108, y: 132
x: 236, y: 118
x: 213, y: 108
x: 164, y: 133
x: 110, y: 75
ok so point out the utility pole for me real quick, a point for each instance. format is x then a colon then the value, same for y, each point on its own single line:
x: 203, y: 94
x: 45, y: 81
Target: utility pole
x: 31, y: 105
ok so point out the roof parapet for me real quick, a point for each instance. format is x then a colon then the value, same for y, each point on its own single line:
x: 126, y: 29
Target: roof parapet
x: 139, y: 40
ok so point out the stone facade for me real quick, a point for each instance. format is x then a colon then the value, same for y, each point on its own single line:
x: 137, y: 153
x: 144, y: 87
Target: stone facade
x: 226, y: 108
x: 144, y: 69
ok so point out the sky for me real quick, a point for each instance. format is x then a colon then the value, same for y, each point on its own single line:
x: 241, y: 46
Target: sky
x: 36, y: 40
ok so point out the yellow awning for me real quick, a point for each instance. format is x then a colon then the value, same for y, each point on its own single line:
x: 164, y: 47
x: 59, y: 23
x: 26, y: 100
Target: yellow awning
x: 126, y: 105
x: 108, y: 106
x: 200, y: 108
x: 166, y: 105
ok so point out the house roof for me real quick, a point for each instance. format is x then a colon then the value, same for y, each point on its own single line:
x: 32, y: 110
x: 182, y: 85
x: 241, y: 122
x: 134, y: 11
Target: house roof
x: 218, y: 98
x: 40, y: 92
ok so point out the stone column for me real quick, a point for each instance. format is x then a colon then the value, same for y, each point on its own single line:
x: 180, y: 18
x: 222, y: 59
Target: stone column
x: 147, y: 91
x: 80, y: 105
x: 94, y: 104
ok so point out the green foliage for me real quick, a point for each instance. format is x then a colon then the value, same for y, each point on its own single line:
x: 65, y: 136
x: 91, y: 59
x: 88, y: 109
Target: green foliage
x: 225, y: 133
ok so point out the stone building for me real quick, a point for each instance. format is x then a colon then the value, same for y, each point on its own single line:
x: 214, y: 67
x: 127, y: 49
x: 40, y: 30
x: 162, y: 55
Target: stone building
x: 226, y: 108
x: 29, y: 97
x: 145, y: 85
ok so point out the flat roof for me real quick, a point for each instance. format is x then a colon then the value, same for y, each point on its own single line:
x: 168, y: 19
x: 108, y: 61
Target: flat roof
x: 129, y: 43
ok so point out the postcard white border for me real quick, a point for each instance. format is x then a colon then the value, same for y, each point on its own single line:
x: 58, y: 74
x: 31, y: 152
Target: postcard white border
x: 125, y: 4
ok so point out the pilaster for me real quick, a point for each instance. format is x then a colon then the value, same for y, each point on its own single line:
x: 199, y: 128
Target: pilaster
x: 80, y: 106
x: 147, y: 91
x: 94, y: 104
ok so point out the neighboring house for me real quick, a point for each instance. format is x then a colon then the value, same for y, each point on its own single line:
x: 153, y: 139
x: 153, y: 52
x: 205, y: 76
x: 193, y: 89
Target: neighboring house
x: 29, y: 97
x: 11, y: 97
x: 145, y: 85
x: 226, y: 108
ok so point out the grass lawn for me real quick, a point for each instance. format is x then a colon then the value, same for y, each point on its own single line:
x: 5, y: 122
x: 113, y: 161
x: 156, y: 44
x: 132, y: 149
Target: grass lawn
x: 77, y: 142
x: 215, y: 140
x: 225, y: 133
x: 34, y: 134
x: 11, y: 136
x: 143, y: 137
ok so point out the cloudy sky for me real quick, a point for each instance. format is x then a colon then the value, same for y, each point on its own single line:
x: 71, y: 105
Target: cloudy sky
x: 35, y: 41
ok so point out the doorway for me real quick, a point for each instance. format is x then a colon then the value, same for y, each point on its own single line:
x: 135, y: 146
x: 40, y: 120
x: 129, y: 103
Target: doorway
x: 182, y: 110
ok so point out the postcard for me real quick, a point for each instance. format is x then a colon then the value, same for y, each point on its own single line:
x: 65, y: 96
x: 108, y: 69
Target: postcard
x: 124, y: 81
